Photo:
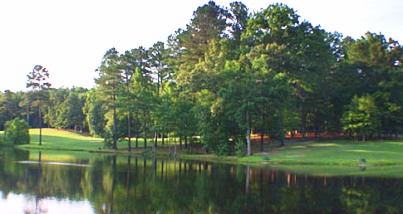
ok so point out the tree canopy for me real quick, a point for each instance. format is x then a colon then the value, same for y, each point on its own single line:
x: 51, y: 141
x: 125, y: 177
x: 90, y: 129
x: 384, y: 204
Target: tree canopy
x: 230, y: 74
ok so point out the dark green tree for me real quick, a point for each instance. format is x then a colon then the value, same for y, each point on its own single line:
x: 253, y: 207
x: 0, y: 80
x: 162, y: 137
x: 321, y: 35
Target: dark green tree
x: 16, y: 132
x: 9, y: 106
x: 38, y: 80
x: 71, y: 111
x: 362, y: 117
x: 377, y: 65
x: 95, y: 111
x: 109, y: 83
x: 209, y: 23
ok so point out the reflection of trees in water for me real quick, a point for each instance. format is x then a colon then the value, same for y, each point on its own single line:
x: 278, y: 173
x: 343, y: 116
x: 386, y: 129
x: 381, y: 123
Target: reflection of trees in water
x: 135, y: 185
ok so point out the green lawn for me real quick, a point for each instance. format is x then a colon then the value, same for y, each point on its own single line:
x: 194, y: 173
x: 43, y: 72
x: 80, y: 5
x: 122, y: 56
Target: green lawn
x: 301, y: 153
x: 54, y: 139
x: 376, y: 158
x: 332, y: 158
x: 334, y: 153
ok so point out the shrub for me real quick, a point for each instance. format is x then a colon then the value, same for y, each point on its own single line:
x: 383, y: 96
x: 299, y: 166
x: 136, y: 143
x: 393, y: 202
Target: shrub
x: 223, y: 149
x: 240, y: 148
x: 16, y: 132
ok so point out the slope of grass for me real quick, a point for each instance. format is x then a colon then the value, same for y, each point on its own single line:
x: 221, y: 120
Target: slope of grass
x: 62, y: 140
x: 331, y: 158
x: 334, y: 153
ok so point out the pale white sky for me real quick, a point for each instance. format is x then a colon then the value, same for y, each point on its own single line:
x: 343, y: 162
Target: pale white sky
x: 69, y: 37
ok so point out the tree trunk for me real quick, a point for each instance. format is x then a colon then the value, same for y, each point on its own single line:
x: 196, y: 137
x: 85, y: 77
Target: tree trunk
x: 28, y: 114
x: 155, y: 138
x: 145, y: 130
x: 281, y: 142
x: 137, y: 129
x: 40, y: 124
x: 155, y: 141
x: 303, y: 119
x: 248, y: 135
x: 262, y: 133
x: 129, y: 148
x: 115, y: 131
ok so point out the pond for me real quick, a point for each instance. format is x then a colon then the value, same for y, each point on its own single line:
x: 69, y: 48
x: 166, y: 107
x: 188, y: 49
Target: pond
x: 51, y: 182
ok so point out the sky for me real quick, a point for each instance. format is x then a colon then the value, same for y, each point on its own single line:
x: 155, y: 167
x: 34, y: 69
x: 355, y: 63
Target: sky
x: 70, y: 37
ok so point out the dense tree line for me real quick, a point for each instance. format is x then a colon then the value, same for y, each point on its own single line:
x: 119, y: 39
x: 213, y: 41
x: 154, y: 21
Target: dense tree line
x: 230, y: 73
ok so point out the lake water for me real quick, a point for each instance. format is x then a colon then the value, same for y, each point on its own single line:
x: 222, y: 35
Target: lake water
x: 47, y: 182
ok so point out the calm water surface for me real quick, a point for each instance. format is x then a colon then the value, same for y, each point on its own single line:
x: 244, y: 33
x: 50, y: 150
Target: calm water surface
x: 64, y: 183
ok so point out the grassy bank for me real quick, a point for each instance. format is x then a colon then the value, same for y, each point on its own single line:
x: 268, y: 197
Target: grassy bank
x: 332, y: 158
x: 53, y: 139
x: 333, y: 153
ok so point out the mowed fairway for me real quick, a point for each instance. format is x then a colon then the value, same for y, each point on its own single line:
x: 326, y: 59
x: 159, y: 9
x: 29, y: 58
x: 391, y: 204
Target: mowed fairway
x: 335, y: 153
x: 63, y: 140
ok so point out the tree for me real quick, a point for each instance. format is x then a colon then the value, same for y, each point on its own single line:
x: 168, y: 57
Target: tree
x: 133, y: 61
x: 95, y: 111
x: 9, y: 106
x: 208, y: 23
x: 362, y: 116
x: 38, y: 80
x: 71, y: 112
x: 54, y: 111
x: 377, y: 63
x: 109, y: 83
x: 16, y: 132
x: 160, y: 71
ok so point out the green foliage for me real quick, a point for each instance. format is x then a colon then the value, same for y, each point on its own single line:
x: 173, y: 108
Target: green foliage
x: 16, y: 132
x: 240, y: 148
x: 9, y: 107
x: 223, y: 148
x: 227, y: 73
x: 362, y: 116
x: 95, y: 111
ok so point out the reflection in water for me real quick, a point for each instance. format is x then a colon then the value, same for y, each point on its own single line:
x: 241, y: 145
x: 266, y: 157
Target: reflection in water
x: 121, y: 184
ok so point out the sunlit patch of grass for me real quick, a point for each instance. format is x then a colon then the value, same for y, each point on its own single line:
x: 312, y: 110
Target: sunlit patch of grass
x: 360, y: 151
x: 395, y: 143
x: 324, y: 145
x: 298, y: 147
x: 333, y: 153
x: 63, y: 140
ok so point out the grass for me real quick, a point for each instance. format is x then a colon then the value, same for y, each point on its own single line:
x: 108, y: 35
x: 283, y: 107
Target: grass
x: 53, y: 139
x: 331, y: 158
x: 63, y: 140
x: 337, y: 157
x: 334, y: 153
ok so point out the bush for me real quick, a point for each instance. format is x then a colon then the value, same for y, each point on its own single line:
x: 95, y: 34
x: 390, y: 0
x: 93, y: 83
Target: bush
x: 223, y: 149
x: 240, y: 148
x: 16, y: 132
